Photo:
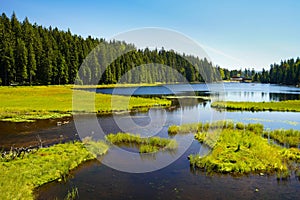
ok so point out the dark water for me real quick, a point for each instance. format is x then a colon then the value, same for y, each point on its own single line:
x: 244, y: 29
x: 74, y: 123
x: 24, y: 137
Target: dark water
x: 95, y: 180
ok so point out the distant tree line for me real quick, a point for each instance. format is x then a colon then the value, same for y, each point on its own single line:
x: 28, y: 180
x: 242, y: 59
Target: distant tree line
x: 32, y: 54
x: 287, y: 72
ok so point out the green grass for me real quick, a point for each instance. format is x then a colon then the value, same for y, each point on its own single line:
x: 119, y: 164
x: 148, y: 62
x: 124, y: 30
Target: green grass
x: 19, y: 177
x: 289, y: 105
x: 239, y: 148
x: 146, y: 145
x: 290, y: 137
x: 28, y: 103
x: 120, y: 85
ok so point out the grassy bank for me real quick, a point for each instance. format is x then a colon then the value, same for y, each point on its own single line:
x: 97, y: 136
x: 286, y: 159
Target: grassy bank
x: 146, y: 145
x: 290, y: 105
x: 44, y: 102
x: 239, y: 148
x: 20, y: 176
x: 124, y: 85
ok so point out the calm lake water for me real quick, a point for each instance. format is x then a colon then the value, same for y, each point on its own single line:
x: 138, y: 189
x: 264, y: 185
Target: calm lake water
x: 94, y: 180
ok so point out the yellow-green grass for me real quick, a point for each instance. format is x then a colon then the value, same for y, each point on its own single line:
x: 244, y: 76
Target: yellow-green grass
x: 29, y: 103
x: 289, y: 105
x: 289, y: 137
x: 239, y: 148
x: 120, y: 85
x: 19, y: 177
x: 146, y: 145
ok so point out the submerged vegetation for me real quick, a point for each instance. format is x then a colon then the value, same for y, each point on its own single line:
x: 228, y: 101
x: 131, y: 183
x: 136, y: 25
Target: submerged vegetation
x: 146, y: 145
x: 289, y: 105
x: 240, y: 148
x: 29, y: 103
x: 20, y: 176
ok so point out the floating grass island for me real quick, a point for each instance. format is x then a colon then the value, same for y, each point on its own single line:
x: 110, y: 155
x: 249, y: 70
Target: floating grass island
x: 289, y: 105
x: 146, y: 145
x: 21, y: 175
x: 240, y: 148
x: 29, y: 103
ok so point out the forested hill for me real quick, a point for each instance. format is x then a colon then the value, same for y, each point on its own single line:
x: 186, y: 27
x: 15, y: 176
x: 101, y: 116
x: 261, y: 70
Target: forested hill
x: 32, y: 54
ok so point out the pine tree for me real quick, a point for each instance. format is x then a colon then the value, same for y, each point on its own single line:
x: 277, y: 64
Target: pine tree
x: 21, y: 61
x: 31, y: 66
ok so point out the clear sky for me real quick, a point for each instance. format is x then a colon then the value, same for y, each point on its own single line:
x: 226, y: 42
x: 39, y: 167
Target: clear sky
x: 234, y: 33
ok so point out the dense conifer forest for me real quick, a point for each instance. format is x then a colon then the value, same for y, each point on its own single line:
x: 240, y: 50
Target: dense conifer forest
x: 31, y: 54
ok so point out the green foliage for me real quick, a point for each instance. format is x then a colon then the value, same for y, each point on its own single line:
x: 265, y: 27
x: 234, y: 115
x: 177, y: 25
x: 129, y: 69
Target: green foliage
x: 287, y: 72
x: 291, y: 154
x: 20, y: 176
x: 146, y: 145
x: 33, y: 54
x: 289, y: 105
x: 173, y: 130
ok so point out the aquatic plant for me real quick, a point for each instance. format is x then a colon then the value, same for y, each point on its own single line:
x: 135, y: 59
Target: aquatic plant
x: 184, y: 128
x: 173, y: 130
x: 285, y: 137
x: 146, y: 145
x: 72, y: 194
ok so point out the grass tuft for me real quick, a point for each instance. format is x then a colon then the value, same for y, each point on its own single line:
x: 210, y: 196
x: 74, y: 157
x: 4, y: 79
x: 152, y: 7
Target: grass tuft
x: 146, y: 145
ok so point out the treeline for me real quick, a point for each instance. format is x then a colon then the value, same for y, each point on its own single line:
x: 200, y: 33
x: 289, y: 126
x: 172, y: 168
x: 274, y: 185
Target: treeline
x: 144, y: 66
x: 32, y: 54
x: 287, y: 72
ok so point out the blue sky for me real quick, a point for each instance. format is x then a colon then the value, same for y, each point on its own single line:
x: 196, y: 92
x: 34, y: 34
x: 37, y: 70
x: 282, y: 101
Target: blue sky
x: 235, y: 34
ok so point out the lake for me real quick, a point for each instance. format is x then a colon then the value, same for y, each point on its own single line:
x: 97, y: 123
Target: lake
x: 176, y: 180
